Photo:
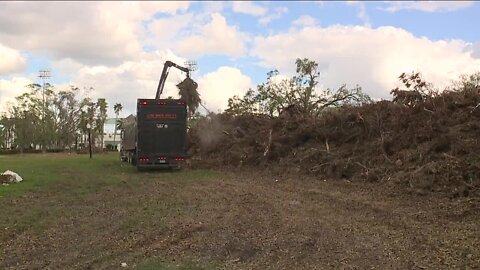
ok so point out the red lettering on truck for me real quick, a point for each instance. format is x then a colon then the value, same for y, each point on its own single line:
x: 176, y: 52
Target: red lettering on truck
x: 161, y: 116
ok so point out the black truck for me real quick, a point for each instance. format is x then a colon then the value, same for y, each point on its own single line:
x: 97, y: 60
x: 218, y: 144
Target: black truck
x: 157, y: 135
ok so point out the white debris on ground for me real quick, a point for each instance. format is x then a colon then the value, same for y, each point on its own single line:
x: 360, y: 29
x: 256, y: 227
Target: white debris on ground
x: 8, y: 177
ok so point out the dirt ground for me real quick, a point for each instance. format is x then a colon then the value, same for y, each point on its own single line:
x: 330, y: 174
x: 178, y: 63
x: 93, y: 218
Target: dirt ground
x: 249, y: 220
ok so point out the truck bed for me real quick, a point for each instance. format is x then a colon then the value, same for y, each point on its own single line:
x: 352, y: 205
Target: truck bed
x: 161, y: 127
x: 161, y: 132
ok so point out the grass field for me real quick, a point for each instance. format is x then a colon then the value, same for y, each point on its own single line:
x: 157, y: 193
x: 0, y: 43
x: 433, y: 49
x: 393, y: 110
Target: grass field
x: 66, y: 181
x: 72, y: 212
x: 80, y: 173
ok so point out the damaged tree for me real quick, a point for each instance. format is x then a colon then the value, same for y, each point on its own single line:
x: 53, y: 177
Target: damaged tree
x: 300, y: 91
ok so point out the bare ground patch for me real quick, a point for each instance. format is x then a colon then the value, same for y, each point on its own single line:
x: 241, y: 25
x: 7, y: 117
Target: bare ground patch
x: 239, y: 221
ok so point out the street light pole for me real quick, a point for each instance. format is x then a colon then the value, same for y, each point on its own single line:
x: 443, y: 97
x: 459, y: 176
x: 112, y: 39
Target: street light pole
x: 44, y: 75
x: 24, y: 144
x: 89, y: 127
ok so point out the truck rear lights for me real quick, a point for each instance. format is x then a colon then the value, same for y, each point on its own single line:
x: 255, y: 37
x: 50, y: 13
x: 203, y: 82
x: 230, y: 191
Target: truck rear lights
x: 144, y: 103
x: 181, y: 103
x: 179, y: 159
x: 161, y: 158
x: 143, y: 159
x: 162, y: 103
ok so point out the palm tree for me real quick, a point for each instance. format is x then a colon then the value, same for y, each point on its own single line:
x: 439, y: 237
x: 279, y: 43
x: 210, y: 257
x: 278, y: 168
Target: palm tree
x: 117, y: 108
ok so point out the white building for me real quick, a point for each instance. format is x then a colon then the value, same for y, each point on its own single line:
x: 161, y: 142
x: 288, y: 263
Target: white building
x: 109, y: 137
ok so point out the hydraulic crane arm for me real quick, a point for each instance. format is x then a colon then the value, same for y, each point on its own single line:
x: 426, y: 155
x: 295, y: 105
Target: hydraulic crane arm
x: 164, y: 75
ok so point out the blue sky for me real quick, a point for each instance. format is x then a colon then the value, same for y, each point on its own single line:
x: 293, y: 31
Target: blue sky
x: 119, y: 48
x: 462, y: 24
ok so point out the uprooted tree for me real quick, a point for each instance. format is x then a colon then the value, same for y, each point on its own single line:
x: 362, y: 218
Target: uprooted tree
x: 301, y: 91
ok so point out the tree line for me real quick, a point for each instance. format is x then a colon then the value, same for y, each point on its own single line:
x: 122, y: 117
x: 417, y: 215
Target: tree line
x: 50, y: 120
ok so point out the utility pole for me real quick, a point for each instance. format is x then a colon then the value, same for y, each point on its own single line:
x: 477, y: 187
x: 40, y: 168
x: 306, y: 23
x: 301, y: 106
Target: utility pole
x: 44, y: 75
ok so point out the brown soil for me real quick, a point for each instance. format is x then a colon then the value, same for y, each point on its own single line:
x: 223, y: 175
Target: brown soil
x: 242, y: 221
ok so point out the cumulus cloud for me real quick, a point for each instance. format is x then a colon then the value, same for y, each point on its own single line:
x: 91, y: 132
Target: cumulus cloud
x: 218, y: 86
x: 11, y: 61
x: 11, y: 88
x: 428, y: 6
x: 277, y: 14
x: 476, y: 50
x: 132, y: 80
x: 216, y: 37
x: 305, y: 20
x: 345, y: 55
x: 91, y: 33
x: 248, y: 7
x: 210, y: 7
x: 128, y: 81
x: 164, y: 32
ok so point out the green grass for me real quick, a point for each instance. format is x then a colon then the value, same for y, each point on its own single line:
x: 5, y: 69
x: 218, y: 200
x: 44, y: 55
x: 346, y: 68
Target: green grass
x: 70, y: 178
x: 77, y: 175
x: 41, y: 170
x: 60, y: 187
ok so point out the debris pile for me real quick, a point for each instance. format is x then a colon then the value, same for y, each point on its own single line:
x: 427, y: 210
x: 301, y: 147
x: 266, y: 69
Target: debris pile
x: 427, y: 145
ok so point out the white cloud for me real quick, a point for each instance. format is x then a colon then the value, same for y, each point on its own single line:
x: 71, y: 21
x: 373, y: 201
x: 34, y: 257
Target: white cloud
x: 149, y: 8
x: 362, y: 11
x: 126, y: 82
x: 345, y: 55
x: 130, y: 80
x: 210, y: 7
x: 215, y: 37
x: 91, y: 32
x: 277, y: 14
x: 248, y: 7
x: 305, y: 21
x: 11, y: 61
x: 428, y: 6
x: 9, y: 89
x: 165, y: 32
x: 217, y: 87
x: 475, y: 49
